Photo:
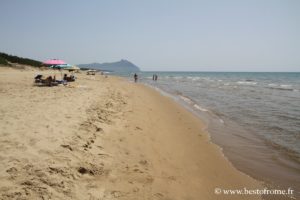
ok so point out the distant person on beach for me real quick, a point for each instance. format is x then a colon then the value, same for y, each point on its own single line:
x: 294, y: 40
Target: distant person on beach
x: 154, y: 77
x: 135, y: 77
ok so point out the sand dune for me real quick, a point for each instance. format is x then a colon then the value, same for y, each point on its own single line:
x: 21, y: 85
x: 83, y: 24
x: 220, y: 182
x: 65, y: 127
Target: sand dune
x: 105, y: 138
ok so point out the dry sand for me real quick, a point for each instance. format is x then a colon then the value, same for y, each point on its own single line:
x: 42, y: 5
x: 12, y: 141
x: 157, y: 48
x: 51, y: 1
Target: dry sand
x: 105, y: 138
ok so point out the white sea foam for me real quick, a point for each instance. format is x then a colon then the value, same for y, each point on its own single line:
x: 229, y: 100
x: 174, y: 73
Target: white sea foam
x: 272, y: 85
x: 286, y: 86
x: 206, y: 78
x: 195, y: 78
x: 200, y: 108
x: 177, y: 77
x: 187, y: 100
x: 281, y: 87
x: 246, y: 83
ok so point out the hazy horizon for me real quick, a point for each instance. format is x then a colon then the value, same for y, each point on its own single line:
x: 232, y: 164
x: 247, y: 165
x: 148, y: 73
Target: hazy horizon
x: 223, y: 71
x: 233, y: 36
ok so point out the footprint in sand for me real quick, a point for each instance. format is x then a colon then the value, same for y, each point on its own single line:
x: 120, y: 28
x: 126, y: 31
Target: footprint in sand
x: 67, y: 147
x: 32, y: 142
x: 158, y: 195
x: 93, y: 170
x: 114, y: 194
x: 144, y: 162
x: 104, y: 155
x: 13, y: 172
x: 137, y: 170
x: 136, y: 189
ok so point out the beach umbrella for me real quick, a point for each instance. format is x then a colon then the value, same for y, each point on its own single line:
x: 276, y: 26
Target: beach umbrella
x: 63, y: 66
x: 54, y: 62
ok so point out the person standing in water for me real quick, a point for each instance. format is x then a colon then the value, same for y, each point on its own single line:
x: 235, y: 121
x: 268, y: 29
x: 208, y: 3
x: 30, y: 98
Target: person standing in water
x: 135, y: 77
x: 154, y: 77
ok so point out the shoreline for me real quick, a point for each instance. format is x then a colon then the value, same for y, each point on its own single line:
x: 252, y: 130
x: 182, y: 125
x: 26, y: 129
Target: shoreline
x: 106, y: 138
x: 236, y: 145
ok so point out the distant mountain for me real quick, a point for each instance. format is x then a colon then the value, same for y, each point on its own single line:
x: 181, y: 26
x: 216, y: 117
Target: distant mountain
x: 120, y: 66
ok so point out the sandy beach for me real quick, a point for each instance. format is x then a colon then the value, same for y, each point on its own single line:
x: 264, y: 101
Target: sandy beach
x: 105, y: 138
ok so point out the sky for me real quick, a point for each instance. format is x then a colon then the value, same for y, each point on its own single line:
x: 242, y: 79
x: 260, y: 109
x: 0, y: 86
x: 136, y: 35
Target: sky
x: 164, y: 35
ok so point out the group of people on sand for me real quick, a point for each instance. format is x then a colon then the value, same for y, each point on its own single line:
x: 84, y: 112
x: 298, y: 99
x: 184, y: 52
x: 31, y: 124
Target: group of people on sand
x: 154, y: 77
x: 48, y: 81
x: 51, y: 81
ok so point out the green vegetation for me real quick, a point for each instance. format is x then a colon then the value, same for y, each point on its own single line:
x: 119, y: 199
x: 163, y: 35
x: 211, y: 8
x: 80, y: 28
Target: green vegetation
x: 3, y: 61
x: 5, y: 58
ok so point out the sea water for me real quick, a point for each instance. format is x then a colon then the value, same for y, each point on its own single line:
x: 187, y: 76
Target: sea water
x: 253, y: 117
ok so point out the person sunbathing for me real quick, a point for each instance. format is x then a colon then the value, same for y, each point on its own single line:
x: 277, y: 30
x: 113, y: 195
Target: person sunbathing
x: 39, y: 76
x: 49, y: 81
x: 69, y: 79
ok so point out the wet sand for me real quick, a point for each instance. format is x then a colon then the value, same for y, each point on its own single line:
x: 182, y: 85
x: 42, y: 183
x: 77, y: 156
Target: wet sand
x: 105, y: 138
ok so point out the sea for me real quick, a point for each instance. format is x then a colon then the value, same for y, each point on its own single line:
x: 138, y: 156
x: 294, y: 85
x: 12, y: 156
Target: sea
x: 254, y: 117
